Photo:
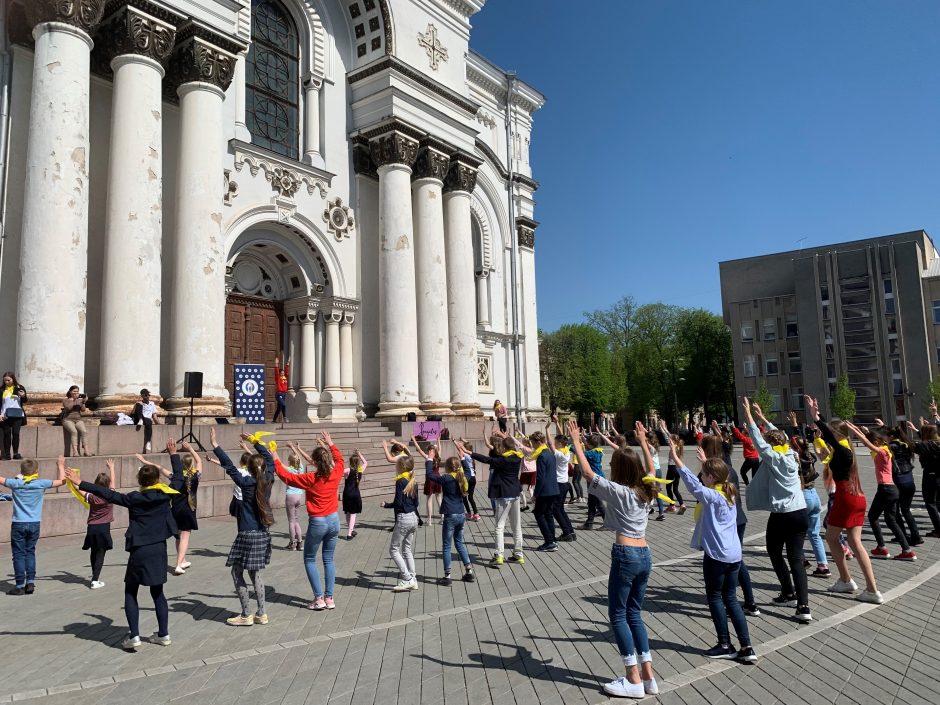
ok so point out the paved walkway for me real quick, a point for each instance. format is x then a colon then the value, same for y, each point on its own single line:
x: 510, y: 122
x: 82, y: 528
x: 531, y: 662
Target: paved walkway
x: 521, y: 634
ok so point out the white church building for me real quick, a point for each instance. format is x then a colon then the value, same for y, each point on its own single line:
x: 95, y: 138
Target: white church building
x: 193, y: 184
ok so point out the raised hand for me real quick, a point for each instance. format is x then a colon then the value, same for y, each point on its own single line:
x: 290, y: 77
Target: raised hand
x: 171, y: 446
x: 327, y: 438
x: 879, y: 422
x: 574, y: 433
x: 109, y: 463
x: 72, y: 476
x: 700, y: 454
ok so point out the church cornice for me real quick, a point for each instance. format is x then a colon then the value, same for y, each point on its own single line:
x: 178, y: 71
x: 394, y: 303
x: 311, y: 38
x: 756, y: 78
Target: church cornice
x: 495, y: 82
x: 395, y: 65
x: 464, y: 8
x: 491, y: 157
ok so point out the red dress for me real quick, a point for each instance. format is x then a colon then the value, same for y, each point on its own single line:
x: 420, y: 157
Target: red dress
x: 848, y: 510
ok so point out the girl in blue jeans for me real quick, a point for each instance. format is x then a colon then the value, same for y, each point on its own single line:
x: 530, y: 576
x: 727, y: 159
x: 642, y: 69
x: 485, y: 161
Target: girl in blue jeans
x: 627, y: 496
x: 453, y: 489
x: 808, y: 476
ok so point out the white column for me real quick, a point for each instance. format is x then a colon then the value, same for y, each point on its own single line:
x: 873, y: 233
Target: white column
x: 483, y: 297
x: 309, y: 394
x: 346, y: 353
x: 130, y: 289
x: 394, y: 152
x: 51, y: 306
x: 531, y: 377
x: 293, y: 350
x: 431, y: 281
x: 198, y: 287
x: 332, y: 378
x: 238, y: 94
x: 313, y: 154
x: 461, y: 306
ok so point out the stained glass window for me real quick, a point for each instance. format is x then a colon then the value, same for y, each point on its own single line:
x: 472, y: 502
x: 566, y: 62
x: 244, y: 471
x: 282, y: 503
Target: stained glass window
x: 271, y: 79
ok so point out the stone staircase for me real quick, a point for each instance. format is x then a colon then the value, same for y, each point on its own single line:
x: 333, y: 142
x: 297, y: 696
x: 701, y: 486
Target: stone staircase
x: 62, y: 514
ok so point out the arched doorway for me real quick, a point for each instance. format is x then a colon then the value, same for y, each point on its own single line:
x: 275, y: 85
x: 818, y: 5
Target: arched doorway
x: 269, y: 266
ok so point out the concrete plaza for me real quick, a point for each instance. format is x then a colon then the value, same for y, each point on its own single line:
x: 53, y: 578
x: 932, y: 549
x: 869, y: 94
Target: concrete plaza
x: 528, y: 634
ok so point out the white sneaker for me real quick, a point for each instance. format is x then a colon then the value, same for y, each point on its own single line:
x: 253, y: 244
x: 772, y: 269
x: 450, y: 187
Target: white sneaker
x: 403, y: 586
x: 179, y: 570
x: 95, y: 584
x: 651, y: 687
x: 131, y: 643
x: 413, y: 584
x: 622, y: 688
x: 874, y: 598
x: 842, y: 587
x: 160, y: 640
x: 146, y: 447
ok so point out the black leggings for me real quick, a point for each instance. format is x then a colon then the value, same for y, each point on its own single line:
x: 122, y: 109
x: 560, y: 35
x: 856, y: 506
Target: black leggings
x: 470, y: 502
x: 11, y: 436
x: 749, y: 464
x: 574, y: 484
x: 906, y: 491
x: 672, y: 489
x: 930, y: 488
x: 97, y: 562
x: 885, y: 502
x: 788, y: 529
x: 132, y: 610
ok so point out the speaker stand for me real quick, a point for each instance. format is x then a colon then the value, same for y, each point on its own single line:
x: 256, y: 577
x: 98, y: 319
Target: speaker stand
x: 190, y: 436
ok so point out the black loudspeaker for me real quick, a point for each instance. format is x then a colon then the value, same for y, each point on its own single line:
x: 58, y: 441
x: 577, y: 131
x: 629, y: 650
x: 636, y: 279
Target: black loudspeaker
x: 192, y: 385
x: 412, y: 416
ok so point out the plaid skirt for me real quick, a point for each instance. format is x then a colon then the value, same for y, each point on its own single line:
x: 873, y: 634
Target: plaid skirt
x: 252, y: 549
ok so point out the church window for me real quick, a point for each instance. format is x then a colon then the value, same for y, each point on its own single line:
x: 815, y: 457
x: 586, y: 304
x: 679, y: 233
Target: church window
x: 272, y: 79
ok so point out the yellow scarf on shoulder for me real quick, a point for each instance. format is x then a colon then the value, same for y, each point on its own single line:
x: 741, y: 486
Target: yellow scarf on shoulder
x: 165, y: 489
x: 720, y: 489
x: 30, y: 478
x: 74, y: 490
x: 782, y: 449
x: 404, y: 476
x: 463, y: 485
x: 538, y: 451
x: 512, y: 454
x: 876, y: 453
x: 8, y: 391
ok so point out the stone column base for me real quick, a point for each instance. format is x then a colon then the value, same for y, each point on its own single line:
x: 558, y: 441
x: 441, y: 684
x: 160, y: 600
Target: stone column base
x: 397, y: 409
x: 206, y: 406
x: 436, y: 408
x: 113, y: 403
x: 303, y: 404
x: 465, y: 409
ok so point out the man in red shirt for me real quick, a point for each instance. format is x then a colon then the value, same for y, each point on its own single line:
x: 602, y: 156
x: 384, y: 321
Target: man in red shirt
x: 751, y: 457
x: 280, y: 395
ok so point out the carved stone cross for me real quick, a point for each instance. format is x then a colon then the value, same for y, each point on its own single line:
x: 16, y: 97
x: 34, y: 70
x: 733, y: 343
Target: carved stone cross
x: 432, y: 45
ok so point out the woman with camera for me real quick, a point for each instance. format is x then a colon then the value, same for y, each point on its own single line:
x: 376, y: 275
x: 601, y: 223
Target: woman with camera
x: 72, y: 407
x: 12, y: 415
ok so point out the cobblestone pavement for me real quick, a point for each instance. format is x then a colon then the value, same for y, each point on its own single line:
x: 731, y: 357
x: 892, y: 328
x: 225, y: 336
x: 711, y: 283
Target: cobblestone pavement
x: 523, y: 634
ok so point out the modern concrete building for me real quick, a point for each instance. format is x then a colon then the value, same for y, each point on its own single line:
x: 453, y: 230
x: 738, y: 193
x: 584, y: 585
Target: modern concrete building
x: 869, y: 308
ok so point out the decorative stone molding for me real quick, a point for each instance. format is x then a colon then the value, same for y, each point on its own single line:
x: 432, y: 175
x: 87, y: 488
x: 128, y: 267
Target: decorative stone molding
x: 485, y: 373
x: 465, y: 8
x: 307, y: 308
x: 462, y: 175
x: 492, y: 159
x: 362, y: 159
x: 432, y: 46
x: 486, y: 238
x: 490, y: 338
x: 285, y: 178
x: 398, y: 67
x: 433, y: 160
x: 395, y: 142
x: 339, y: 219
x: 486, y: 118
x: 201, y: 55
x: 84, y: 14
x: 525, y: 228
x: 135, y: 28
x: 229, y: 187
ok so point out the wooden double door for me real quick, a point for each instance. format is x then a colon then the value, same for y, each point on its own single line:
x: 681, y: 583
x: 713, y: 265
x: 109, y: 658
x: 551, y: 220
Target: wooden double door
x: 254, y: 331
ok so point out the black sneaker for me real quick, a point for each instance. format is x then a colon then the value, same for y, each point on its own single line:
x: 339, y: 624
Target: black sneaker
x: 747, y: 654
x: 30, y: 588
x: 821, y: 573
x: 587, y: 527
x: 721, y: 651
x: 803, y: 614
x: 524, y: 509
x: 568, y: 537
x: 549, y: 547
x: 445, y: 581
x: 916, y: 542
x: 788, y: 600
x: 16, y: 591
x: 751, y: 610
x: 17, y: 456
x: 469, y: 578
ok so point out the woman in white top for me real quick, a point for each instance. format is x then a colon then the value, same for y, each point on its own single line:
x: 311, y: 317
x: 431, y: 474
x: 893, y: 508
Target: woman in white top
x: 12, y: 415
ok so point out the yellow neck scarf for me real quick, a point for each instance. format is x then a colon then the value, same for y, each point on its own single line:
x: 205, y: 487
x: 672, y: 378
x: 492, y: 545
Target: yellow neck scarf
x: 8, y: 391
x: 538, y: 451
x: 74, y: 490
x: 720, y: 489
x: 845, y: 443
x: 403, y: 476
x: 564, y: 449
x: 876, y: 453
x: 782, y: 449
x: 30, y: 478
x: 512, y: 453
x: 165, y: 489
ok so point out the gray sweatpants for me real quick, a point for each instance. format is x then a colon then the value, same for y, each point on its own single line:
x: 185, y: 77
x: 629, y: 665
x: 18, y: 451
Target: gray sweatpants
x: 403, y: 540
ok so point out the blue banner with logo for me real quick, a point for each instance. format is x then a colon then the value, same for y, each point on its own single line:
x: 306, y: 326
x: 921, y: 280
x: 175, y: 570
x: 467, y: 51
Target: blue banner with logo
x: 249, y: 393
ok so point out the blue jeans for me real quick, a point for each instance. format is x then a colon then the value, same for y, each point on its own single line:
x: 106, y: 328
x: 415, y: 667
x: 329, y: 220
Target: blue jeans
x: 744, y: 577
x: 813, y: 512
x: 721, y: 584
x: 659, y: 502
x: 321, y: 530
x: 452, y: 532
x: 630, y: 568
x: 23, y: 538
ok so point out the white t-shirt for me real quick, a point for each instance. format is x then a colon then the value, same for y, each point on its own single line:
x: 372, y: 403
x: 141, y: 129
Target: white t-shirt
x: 561, y: 465
x: 148, y: 409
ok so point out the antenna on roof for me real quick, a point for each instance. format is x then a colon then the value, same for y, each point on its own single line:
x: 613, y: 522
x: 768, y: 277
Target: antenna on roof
x: 800, y: 242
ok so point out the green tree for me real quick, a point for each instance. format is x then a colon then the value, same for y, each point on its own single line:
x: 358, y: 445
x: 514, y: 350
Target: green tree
x: 843, y: 399
x: 577, y: 364
x: 933, y: 394
x: 765, y: 400
x: 705, y: 345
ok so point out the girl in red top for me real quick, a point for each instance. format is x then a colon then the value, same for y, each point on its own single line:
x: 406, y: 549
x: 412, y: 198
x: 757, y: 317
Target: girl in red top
x: 325, y: 468
x: 751, y: 456
x: 280, y: 396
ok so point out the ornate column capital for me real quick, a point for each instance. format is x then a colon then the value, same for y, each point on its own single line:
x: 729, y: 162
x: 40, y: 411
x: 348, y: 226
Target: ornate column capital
x: 394, y: 142
x: 349, y: 317
x: 136, y: 27
x: 462, y: 175
x: 433, y: 160
x: 84, y: 14
x: 525, y: 229
x: 201, y: 55
x: 362, y: 159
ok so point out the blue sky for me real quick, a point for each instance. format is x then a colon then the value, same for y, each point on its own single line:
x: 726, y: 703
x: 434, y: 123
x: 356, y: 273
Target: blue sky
x: 679, y: 133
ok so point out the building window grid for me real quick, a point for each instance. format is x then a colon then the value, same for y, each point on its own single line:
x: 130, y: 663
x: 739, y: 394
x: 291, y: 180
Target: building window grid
x: 771, y: 365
